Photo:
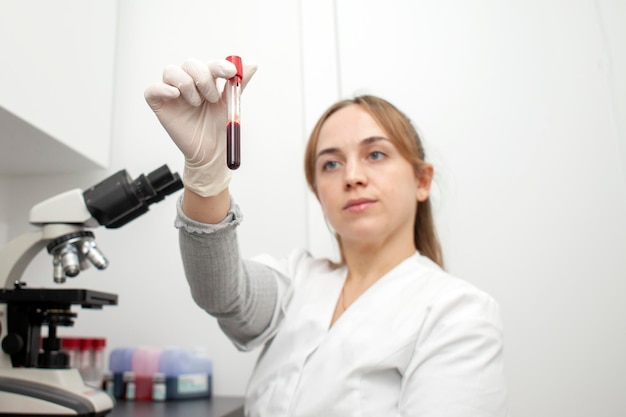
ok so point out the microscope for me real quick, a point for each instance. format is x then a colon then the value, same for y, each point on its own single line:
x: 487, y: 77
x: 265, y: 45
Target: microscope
x: 35, y: 377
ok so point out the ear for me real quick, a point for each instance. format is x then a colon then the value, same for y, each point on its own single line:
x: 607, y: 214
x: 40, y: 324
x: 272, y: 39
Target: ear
x: 424, y: 179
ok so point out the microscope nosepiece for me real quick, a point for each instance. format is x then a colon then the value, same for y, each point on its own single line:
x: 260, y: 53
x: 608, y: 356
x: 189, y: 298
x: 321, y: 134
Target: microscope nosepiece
x: 73, y: 253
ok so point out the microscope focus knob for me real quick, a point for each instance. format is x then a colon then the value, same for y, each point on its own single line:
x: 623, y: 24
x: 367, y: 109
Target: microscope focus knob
x: 12, y: 343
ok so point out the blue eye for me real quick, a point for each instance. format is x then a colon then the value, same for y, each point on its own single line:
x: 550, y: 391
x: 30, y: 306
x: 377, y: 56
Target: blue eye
x: 329, y: 165
x: 376, y: 155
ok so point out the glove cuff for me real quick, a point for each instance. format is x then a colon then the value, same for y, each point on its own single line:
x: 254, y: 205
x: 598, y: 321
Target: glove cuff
x: 209, y: 179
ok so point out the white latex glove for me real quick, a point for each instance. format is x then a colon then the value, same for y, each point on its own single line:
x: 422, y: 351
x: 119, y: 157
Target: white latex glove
x: 192, y: 109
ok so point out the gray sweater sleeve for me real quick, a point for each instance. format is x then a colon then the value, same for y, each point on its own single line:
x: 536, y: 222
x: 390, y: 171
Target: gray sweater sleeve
x: 241, y: 294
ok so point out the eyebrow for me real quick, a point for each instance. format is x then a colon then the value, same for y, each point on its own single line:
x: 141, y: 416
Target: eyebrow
x: 364, y: 142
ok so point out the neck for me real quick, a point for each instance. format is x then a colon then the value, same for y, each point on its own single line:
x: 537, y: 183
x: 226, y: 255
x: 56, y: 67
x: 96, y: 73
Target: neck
x: 367, y: 265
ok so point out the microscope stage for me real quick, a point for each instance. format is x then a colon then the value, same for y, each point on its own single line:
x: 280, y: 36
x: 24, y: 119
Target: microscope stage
x: 85, y: 298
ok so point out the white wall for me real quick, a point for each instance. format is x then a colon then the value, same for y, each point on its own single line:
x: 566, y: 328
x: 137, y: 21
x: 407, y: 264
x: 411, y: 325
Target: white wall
x: 611, y: 15
x: 522, y: 109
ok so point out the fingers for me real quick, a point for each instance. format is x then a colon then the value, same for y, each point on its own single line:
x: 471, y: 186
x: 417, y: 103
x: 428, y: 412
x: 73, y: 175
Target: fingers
x: 195, y: 81
x: 205, y: 75
x: 182, y: 80
x: 156, y: 94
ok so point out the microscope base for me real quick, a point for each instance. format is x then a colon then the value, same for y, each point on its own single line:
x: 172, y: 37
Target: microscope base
x: 49, y: 392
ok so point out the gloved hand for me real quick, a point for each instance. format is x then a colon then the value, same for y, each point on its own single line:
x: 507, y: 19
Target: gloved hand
x: 192, y: 109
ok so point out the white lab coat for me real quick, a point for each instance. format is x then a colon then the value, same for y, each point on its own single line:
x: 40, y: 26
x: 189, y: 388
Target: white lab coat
x: 419, y: 342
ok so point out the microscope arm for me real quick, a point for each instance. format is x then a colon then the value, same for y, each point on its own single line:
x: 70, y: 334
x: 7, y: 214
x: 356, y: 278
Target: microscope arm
x: 18, y: 253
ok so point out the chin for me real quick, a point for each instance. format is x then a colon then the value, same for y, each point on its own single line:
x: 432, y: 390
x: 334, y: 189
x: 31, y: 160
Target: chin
x: 361, y: 237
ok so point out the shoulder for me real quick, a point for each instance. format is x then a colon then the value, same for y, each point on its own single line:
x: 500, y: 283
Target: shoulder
x: 450, y: 298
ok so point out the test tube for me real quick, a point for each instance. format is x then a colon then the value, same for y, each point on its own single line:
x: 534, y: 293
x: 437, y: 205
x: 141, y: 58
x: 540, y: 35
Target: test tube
x: 233, y: 125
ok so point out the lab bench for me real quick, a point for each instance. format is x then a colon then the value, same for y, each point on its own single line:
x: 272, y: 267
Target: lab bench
x: 213, y: 407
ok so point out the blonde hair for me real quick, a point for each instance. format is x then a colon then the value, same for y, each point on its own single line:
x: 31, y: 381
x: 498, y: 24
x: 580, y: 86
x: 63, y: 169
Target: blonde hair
x: 406, y: 139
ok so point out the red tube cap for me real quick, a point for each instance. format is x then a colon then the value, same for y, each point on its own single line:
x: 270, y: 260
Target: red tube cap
x: 237, y: 61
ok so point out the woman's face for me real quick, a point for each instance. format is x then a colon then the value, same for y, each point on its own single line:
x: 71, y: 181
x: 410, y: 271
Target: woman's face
x: 367, y: 189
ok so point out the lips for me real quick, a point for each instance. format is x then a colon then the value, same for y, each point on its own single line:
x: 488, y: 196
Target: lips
x: 358, y: 204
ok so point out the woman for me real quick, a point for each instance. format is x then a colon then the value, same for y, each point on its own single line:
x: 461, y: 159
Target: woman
x: 386, y: 332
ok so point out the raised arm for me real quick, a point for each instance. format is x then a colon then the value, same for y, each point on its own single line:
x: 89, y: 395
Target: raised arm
x: 241, y: 294
x: 192, y: 109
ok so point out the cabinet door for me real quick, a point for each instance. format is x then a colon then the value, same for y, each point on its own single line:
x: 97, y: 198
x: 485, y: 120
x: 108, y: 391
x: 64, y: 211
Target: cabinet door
x: 56, y: 78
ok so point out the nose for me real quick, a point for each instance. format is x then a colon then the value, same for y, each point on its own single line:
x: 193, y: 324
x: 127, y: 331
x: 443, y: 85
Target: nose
x: 355, y: 175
